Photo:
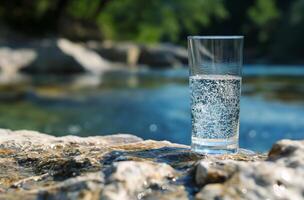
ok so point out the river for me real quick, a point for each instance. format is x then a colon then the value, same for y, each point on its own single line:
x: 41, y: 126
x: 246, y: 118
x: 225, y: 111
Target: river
x: 154, y: 104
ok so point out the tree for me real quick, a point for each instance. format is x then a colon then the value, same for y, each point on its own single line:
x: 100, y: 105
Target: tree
x: 157, y: 20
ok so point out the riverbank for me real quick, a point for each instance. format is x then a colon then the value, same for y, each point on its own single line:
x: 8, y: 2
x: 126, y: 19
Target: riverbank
x: 62, y: 56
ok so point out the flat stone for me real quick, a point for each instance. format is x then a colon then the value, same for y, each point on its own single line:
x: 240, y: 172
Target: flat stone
x: 34, y: 165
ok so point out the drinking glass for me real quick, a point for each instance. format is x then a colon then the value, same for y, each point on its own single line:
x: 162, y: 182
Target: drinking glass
x: 215, y: 87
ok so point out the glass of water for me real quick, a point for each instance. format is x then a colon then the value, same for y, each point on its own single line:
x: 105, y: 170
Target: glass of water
x: 215, y: 84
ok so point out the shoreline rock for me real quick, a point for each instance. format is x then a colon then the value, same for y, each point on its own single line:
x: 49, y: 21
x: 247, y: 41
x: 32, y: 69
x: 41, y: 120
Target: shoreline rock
x: 50, y: 56
x: 40, y: 166
x: 162, y: 55
x: 62, y: 56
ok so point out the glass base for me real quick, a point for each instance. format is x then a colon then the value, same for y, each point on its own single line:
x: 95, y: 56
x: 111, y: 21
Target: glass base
x: 214, y: 146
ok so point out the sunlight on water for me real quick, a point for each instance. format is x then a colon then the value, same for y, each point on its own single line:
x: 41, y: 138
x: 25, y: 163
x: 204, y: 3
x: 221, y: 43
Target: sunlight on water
x: 158, y: 107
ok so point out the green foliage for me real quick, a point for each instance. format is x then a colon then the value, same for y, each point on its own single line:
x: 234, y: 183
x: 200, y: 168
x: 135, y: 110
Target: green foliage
x: 82, y: 9
x: 153, y: 21
x: 271, y: 26
x: 263, y: 13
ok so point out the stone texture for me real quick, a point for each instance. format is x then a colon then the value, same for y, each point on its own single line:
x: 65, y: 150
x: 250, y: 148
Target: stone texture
x: 259, y: 180
x: 39, y: 166
x: 288, y: 153
x: 130, y: 178
x: 279, y: 177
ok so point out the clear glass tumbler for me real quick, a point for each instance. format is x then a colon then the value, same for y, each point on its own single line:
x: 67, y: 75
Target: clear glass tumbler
x: 215, y: 84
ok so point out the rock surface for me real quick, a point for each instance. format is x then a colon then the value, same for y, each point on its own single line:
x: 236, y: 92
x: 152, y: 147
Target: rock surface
x: 39, y: 166
x: 62, y: 56
x: 12, y: 60
x: 123, y: 52
x: 44, y: 56
x: 89, y: 59
x: 156, y: 56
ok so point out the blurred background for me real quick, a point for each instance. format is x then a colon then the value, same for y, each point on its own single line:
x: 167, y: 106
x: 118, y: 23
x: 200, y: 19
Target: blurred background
x: 97, y: 67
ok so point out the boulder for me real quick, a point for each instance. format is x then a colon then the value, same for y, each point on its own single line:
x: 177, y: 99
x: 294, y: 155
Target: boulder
x: 155, y: 56
x: 88, y: 59
x: 34, y: 165
x: 12, y: 60
x: 122, y: 52
x: 61, y: 56
x: 56, y: 56
x: 51, y: 59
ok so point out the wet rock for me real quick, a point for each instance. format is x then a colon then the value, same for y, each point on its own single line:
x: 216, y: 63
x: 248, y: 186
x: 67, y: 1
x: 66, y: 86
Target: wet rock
x: 39, y: 166
x: 51, y: 59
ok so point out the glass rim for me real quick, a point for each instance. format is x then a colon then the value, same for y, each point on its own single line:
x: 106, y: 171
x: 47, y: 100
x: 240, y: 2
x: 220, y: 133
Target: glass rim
x: 211, y: 37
